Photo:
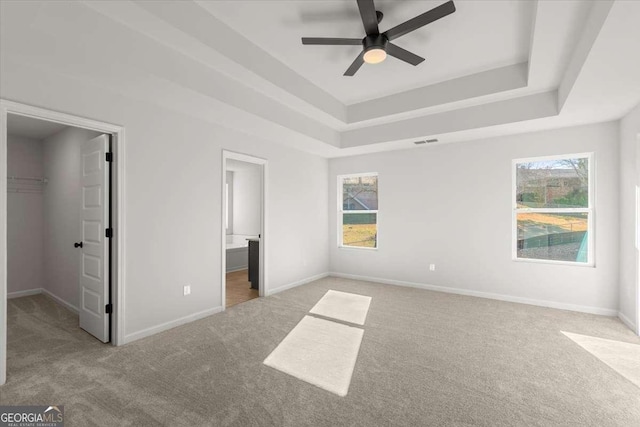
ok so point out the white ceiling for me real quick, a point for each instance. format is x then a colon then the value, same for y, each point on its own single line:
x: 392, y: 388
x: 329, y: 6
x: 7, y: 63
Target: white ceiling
x: 493, y: 67
x: 28, y: 127
x: 479, y: 36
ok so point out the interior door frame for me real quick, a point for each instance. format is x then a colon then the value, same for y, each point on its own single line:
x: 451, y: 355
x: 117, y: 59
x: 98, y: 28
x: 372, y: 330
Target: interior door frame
x: 263, y: 277
x: 117, y: 209
x: 637, y: 236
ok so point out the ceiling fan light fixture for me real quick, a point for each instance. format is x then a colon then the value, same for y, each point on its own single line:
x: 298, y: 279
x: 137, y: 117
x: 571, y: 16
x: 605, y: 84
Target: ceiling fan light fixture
x: 375, y: 56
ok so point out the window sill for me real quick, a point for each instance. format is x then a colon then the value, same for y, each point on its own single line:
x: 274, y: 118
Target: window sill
x: 550, y: 261
x: 357, y: 248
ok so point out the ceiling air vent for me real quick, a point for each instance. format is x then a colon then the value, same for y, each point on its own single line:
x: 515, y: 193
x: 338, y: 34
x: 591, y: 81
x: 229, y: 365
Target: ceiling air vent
x: 426, y: 141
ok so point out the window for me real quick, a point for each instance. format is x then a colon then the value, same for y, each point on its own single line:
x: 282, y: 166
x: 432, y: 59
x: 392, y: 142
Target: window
x: 358, y: 211
x: 553, y: 209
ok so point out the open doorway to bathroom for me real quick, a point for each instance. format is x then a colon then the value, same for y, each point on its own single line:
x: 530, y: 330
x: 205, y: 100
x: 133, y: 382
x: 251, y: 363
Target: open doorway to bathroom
x: 243, y: 228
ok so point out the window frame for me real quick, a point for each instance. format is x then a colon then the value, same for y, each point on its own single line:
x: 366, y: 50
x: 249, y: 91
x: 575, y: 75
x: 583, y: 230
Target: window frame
x: 341, y: 211
x: 589, y: 210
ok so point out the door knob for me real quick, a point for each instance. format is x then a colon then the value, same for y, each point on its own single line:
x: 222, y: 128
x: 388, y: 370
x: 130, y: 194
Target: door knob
x: 77, y: 245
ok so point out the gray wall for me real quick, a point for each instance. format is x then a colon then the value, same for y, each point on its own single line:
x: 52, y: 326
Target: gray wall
x: 629, y: 179
x: 451, y: 205
x: 62, y: 212
x: 24, y: 218
x: 173, y: 198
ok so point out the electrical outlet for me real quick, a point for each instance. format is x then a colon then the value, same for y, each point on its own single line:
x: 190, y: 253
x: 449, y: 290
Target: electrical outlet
x: 432, y: 267
x: 187, y: 290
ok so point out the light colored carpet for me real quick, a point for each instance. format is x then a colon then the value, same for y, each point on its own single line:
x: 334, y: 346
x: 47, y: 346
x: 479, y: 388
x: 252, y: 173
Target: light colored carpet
x: 623, y: 357
x: 426, y: 359
x: 320, y: 352
x: 344, y: 306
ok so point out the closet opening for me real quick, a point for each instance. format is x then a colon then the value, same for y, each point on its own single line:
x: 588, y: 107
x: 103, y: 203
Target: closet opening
x: 60, y: 213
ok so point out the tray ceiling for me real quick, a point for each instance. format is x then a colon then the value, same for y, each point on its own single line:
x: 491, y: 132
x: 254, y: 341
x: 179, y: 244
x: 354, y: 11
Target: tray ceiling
x: 479, y: 36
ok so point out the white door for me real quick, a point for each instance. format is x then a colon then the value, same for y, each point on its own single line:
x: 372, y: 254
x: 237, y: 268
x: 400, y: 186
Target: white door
x: 94, y: 217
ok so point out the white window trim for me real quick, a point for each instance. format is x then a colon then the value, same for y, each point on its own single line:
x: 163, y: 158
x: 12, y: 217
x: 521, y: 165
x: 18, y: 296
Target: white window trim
x: 341, y: 211
x: 590, y: 210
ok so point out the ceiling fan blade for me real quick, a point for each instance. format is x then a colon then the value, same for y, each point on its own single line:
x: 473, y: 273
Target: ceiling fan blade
x: 355, y: 66
x: 403, y: 55
x: 331, y: 41
x: 421, y: 20
x: 369, y: 17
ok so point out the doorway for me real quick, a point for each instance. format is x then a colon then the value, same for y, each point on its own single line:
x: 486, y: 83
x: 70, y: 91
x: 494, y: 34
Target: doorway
x: 59, y: 229
x: 243, y: 228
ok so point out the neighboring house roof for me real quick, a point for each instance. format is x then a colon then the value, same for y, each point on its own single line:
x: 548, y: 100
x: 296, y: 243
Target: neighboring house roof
x: 366, y: 199
x: 358, y: 201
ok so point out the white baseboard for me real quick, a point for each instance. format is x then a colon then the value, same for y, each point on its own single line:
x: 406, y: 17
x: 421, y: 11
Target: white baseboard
x: 190, y: 318
x: 298, y: 283
x: 61, y: 301
x: 479, y: 294
x: 624, y: 319
x: 170, y: 325
x: 18, y: 294
x: 38, y: 291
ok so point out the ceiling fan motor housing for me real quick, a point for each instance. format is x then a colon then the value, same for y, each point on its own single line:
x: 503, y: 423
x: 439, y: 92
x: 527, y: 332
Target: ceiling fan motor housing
x: 378, y: 41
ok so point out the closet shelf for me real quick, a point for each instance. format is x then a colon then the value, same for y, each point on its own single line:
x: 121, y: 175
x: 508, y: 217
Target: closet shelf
x: 26, y: 184
x: 27, y: 179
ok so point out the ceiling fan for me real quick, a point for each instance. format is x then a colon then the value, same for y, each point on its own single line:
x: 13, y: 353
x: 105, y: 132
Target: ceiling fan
x: 375, y: 45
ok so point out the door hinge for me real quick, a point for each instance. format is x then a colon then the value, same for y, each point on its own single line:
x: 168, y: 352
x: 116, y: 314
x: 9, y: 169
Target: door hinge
x: 109, y: 157
x: 108, y: 308
x: 108, y: 232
